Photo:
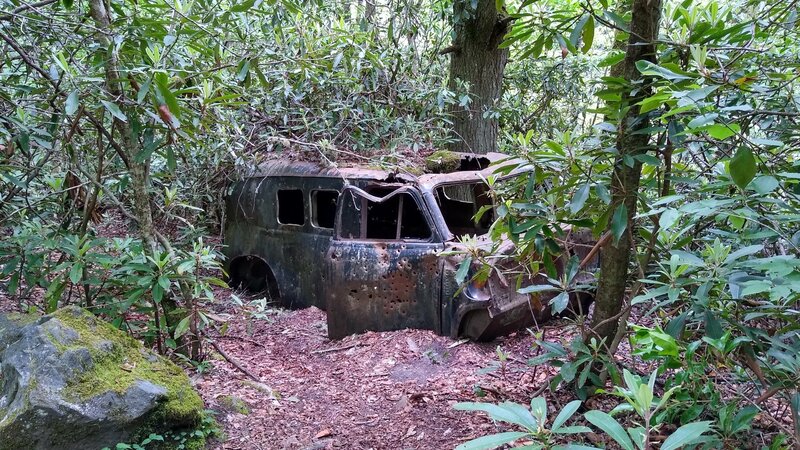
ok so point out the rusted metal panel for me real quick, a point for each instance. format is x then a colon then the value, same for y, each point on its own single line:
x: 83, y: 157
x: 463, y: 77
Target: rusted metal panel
x: 383, y: 286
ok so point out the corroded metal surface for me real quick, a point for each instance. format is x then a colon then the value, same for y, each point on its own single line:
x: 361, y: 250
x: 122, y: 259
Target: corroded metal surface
x: 362, y: 281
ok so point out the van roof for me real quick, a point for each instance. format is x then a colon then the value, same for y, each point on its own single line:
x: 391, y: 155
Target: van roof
x: 462, y: 167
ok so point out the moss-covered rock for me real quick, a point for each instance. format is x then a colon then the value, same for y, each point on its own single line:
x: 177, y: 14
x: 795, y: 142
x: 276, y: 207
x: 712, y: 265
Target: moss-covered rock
x: 71, y: 381
x: 443, y: 161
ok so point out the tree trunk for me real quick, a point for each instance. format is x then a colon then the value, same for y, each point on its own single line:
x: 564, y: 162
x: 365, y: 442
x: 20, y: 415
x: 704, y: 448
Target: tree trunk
x: 610, y: 299
x: 477, y: 61
x: 129, y: 145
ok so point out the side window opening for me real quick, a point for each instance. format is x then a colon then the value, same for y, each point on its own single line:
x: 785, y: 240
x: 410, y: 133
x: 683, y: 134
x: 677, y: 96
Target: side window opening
x: 291, y: 207
x: 396, y: 218
x: 323, y: 208
x: 459, y: 203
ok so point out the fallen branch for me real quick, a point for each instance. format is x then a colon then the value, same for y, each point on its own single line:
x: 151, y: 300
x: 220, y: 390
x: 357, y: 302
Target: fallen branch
x: 336, y: 349
x: 234, y: 362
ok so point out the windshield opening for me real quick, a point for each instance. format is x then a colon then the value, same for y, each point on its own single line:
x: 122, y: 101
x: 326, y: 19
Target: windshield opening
x: 394, y: 217
x: 459, y: 204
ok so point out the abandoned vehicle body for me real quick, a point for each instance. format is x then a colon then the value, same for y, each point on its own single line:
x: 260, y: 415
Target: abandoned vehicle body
x: 376, y: 250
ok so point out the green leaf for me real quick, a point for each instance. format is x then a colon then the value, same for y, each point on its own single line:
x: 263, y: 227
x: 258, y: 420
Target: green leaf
x: 512, y: 413
x: 613, y: 59
x: 539, y: 409
x: 668, y: 218
x: 75, y: 273
x: 619, y: 222
x: 713, y: 326
x: 611, y: 427
x: 603, y: 193
x: 172, y: 165
x: 588, y: 35
x: 579, y: 199
x: 765, y: 184
x: 243, y: 6
x: 164, y: 282
x: 143, y: 90
x: 577, y: 32
x: 560, y: 302
x: 72, y: 103
x: 158, y: 293
x: 538, y: 288
x: 244, y: 69
x: 568, y: 372
x: 182, y: 327
x: 744, y: 251
x: 742, y: 167
x: 649, y: 69
x: 565, y: 414
x: 722, y: 132
x: 53, y: 294
x: 654, y: 102
x: 744, y: 418
x: 492, y: 441
x: 165, y: 96
x: 685, y: 435
x: 463, y: 270
x: 114, y: 110
x: 702, y: 120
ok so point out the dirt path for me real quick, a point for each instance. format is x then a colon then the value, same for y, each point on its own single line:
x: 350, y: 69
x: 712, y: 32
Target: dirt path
x: 371, y: 391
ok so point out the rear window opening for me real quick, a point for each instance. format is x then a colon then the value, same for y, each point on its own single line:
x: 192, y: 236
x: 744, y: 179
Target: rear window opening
x: 323, y: 208
x: 460, y: 203
x: 291, y: 207
x: 398, y: 217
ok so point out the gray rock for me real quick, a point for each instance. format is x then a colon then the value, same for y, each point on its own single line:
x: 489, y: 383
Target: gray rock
x: 71, y: 381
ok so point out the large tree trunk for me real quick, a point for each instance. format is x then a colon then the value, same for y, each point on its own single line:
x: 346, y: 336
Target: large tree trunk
x: 610, y: 297
x: 477, y: 61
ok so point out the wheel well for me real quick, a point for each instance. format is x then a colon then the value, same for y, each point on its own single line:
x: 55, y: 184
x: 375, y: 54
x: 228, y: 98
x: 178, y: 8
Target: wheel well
x: 253, y: 274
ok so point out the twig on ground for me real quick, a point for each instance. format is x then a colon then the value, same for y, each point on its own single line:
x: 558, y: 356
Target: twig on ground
x: 336, y: 349
x: 234, y: 362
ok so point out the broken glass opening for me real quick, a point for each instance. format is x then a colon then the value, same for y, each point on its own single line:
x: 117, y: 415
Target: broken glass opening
x: 323, y: 208
x: 459, y: 204
x: 291, y: 208
x: 396, y: 217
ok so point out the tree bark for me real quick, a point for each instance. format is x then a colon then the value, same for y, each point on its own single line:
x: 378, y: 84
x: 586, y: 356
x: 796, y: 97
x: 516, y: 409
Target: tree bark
x: 610, y: 299
x: 130, y: 147
x: 477, y: 60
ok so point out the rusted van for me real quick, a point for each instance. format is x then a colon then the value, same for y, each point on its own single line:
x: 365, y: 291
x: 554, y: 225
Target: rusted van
x: 374, y: 249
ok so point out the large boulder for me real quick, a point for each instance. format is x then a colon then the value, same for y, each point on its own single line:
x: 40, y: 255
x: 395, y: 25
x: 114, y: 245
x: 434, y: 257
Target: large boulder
x: 71, y: 381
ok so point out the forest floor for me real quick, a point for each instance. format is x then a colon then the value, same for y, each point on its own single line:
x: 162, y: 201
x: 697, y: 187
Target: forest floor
x: 376, y: 390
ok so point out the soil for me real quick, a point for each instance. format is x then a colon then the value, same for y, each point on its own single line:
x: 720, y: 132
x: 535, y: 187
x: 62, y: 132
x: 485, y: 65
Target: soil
x: 370, y: 391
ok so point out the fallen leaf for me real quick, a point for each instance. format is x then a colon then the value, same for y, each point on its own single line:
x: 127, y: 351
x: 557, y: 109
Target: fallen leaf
x: 324, y: 433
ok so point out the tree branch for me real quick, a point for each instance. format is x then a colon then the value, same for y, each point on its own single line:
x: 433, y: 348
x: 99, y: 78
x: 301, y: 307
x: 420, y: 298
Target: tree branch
x: 450, y: 49
x: 22, y: 8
